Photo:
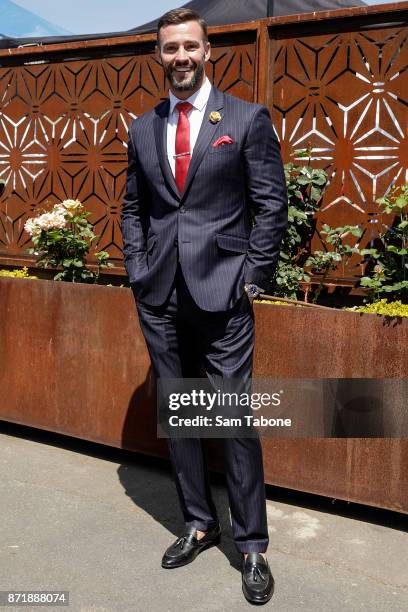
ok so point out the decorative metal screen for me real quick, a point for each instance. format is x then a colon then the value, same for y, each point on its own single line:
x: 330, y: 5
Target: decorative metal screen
x: 344, y: 95
x: 63, y: 131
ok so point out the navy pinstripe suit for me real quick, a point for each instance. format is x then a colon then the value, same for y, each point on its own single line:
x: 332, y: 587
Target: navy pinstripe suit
x: 188, y: 257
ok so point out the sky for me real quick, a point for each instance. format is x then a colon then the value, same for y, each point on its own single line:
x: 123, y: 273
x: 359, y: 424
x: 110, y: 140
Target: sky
x: 94, y: 16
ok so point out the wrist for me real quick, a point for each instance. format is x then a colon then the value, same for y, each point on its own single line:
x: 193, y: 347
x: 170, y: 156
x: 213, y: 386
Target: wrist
x: 252, y: 290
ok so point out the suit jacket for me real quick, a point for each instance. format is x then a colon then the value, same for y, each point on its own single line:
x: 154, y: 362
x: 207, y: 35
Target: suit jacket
x: 225, y: 227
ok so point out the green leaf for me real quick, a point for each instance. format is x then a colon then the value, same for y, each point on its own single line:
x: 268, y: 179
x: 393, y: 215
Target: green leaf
x: 320, y: 180
x: 301, y: 153
x: 295, y: 213
x: 372, y: 252
x: 401, y: 202
x: 355, y: 230
x: 393, y: 249
x: 315, y: 193
x: 303, y: 180
x: 366, y: 281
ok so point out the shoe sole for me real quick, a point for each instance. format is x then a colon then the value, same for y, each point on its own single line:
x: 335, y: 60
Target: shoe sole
x: 257, y: 602
x: 214, y: 542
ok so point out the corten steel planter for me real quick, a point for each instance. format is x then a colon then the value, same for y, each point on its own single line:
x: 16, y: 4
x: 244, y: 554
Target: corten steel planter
x: 307, y: 343
x: 73, y: 360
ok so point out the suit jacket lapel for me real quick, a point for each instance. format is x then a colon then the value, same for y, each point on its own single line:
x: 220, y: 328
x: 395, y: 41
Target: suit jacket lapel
x: 160, y: 134
x: 206, y: 133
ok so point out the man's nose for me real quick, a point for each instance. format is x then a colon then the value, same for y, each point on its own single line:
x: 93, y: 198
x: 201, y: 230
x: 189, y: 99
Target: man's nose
x: 182, y: 55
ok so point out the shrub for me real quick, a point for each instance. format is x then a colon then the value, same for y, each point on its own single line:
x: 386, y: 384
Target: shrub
x: 382, y: 307
x: 388, y: 259
x: 62, y: 238
x: 305, y: 187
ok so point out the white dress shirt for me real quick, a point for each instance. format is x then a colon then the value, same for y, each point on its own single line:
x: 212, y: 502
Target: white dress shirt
x: 199, y: 101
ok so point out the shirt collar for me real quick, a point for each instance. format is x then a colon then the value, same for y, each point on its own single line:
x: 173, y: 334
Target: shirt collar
x: 199, y: 98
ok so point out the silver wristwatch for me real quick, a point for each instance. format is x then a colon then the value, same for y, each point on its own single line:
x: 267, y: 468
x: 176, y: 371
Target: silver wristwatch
x: 252, y: 290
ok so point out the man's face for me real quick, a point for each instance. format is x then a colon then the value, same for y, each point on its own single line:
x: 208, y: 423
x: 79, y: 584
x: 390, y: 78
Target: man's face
x: 183, y: 53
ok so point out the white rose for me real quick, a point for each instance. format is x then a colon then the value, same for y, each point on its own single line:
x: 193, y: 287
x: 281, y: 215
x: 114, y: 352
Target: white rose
x: 51, y: 220
x: 59, y: 221
x: 71, y: 206
x: 31, y: 227
x: 59, y: 209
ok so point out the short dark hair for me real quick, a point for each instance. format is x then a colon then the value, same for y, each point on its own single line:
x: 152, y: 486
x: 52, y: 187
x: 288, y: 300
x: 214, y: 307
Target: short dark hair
x: 181, y: 15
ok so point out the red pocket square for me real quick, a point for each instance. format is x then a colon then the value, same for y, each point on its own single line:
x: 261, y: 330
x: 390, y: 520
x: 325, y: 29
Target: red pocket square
x: 223, y: 140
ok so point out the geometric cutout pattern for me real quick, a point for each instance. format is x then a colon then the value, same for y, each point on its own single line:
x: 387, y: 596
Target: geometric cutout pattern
x: 344, y: 96
x: 63, y: 130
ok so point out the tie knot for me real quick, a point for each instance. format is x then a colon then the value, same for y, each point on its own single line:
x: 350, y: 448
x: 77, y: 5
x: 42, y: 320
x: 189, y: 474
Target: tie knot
x: 184, y: 107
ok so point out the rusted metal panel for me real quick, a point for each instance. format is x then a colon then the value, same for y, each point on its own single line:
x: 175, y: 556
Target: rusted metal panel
x: 294, y: 342
x: 306, y: 343
x: 369, y: 471
x: 73, y: 360
x: 340, y: 90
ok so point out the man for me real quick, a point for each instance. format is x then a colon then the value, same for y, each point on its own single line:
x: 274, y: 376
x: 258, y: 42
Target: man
x: 203, y: 216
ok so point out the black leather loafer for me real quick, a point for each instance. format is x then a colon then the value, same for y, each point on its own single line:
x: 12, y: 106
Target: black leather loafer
x: 185, y: 549
x: 257, y: 579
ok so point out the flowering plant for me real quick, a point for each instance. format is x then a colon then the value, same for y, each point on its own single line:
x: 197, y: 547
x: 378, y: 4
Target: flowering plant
x: 62, y: 238
x: 305, y: 186
x: 17, y: 273
x: 388, y: 257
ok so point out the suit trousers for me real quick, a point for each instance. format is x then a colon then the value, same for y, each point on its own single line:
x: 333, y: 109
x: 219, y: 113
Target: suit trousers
x: 181, y: 339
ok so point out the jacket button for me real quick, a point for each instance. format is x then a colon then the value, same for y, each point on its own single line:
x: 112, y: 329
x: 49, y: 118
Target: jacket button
x: 182, y: 209
x: 176, y: 242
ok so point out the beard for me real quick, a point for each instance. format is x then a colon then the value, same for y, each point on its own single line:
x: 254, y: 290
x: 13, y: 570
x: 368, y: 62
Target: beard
x: 187, y: 83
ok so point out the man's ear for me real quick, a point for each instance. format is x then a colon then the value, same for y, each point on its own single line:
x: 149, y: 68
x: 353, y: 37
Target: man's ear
x: 207, y: 51
x: 157, y: 53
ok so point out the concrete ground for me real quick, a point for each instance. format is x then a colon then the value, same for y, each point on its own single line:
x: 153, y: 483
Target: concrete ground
x: 95, y: 521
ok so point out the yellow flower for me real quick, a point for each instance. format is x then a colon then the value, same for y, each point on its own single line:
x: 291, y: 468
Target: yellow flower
x: 215, y: 117
x: 71, y: 206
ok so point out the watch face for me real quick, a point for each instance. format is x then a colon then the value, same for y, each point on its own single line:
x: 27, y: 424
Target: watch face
x: 252, y: 290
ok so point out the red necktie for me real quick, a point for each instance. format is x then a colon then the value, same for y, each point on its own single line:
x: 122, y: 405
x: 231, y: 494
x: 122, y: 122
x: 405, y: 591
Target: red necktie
x: 183, y: 153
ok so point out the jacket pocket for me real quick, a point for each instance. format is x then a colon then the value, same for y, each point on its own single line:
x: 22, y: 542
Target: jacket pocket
x: 236, y: 244
x: 224, y: 148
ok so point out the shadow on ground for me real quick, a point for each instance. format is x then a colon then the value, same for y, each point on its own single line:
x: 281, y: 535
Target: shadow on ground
x: 156, y: 493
